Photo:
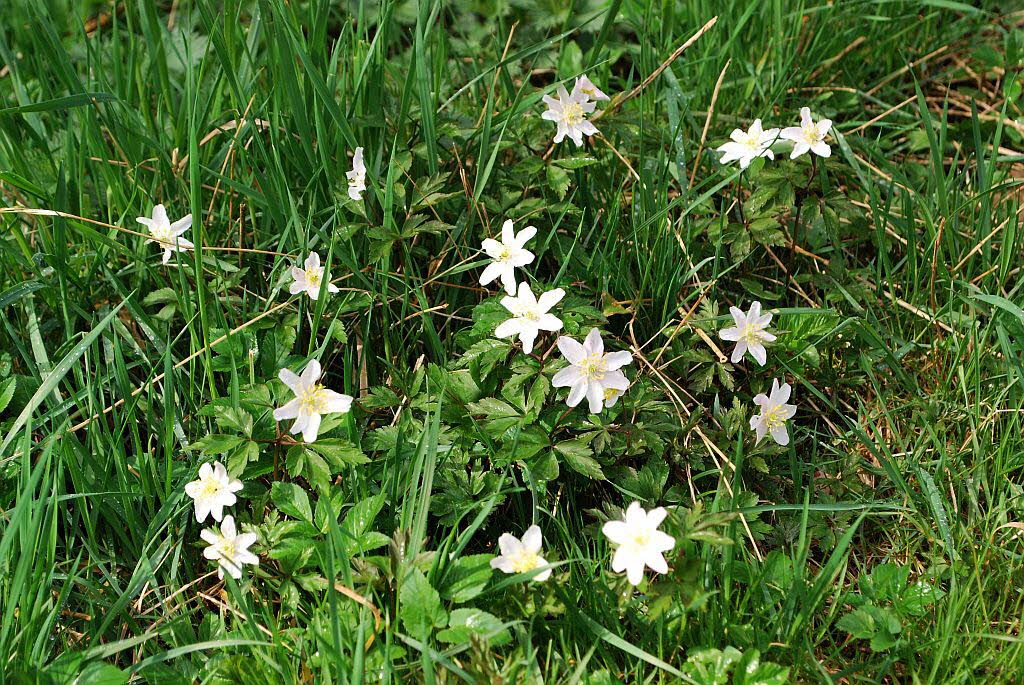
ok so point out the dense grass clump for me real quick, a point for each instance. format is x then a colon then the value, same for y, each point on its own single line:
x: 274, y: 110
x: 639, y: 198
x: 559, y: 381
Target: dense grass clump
x: 447, y: 450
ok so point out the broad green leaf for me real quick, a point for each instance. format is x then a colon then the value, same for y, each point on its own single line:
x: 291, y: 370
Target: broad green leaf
x: 420, y: 606
x: 291, y: 500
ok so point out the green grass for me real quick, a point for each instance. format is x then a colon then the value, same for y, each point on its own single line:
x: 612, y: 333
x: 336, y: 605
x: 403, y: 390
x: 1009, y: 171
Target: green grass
x: 882, y: 545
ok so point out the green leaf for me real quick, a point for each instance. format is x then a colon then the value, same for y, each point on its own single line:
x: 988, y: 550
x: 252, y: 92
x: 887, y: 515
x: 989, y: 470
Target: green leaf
x: 66, y: 102
x: 100, y: 673
x: 711, y: 666
x: 577, y: 162
x: 465, y: 623
x: 466, y: 577
x: 877, y: 624
x: 161, y: 296
x: 498, y: 415
x: 340, y: 452
x: 577, y: 455
x: 751, y: 671
x: 217, y: 443
x: 291, y: 500
x: 7, y: 391
x: 304, y: 462
x: 361, y: 516
x: 54, y: 377
x: 558, y: 181
x: 918, y: 597
x: 420, y: 606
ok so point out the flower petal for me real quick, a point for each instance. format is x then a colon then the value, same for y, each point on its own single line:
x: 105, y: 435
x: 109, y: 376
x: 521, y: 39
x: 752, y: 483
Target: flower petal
x: 593, y: 343
x: 616, y: 531
x: 312, y: 428
x: 616, y: 360
x: 566, y: 377
x: 311, y: 374
x: 509, y: 327
x: 576, y: 393
x: 573, y: 351
x: 595, y: 397
x: 292, y: 380
x: 337, y: 403
x: 533, y: 539
x: 549, y: 299
x: 490, y: 272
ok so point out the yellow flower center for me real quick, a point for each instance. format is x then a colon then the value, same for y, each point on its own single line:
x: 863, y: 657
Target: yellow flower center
x: 811, y: 134
x: 611, y: 393
x: 641, y: 539
x: 594, y: 367
x: 773, y: 418
x: 572, y: 114
x: 751, y: 334
x: 211, y: 488
x: 311, y: 399
x: 505, y: 254
x: 313, y: 277
x: 525, y: 561
x: 162, y: 234
x: 531, y: 315
x: 227, y: 548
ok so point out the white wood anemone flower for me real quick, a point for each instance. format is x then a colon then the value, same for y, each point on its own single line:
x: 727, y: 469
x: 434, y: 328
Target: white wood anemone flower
x: 585, y: 88
x: 749, y: 333
x: 640, y: 543
x: 591, y: 372
x: 529, y: 315
x: 808, y: 136
x: 774, y: 413
x: 213, y: 491
x: 229, y: 548
x: 570, y: 112
x: 308, y: 279
x: 312, y: 401
x: 166, y: 234
x: 357, y: 176
x: 746, y: 146
x: 522, y: 556
x: 507, y: 255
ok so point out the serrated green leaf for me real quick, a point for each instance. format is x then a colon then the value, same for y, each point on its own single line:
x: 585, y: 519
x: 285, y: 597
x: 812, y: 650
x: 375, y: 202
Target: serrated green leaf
x: 420, y: 605
x: 291, y: 500
x: 466, y: 577
x: 577, y: 455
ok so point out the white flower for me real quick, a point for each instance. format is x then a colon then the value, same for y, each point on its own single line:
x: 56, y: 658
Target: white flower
x: 612, y: 395
x: 229, y: 549
x: 357, y: 177
x: 749, y: 333
x: 774, y: 413
x: 570, y: 113
x: 507, y: 254
x: 309, y: 279
x: 639, y: 541
x: 521, y: 556
x: 529, y: 315
x: 746, y: 147
x: 588, y: 90
x: 166, y: 234
x: 591, y: 373
x: 214, y: 490
x: 311, y: 401
x: 808, y: 135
